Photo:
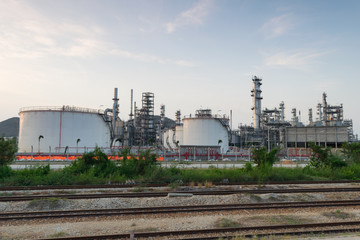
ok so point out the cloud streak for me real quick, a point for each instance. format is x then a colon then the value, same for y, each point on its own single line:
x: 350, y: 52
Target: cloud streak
x: 27, y: 34
x: 277, y: 26
x: 193, y: 16
x: 299, y: 59
x: 142, y: 57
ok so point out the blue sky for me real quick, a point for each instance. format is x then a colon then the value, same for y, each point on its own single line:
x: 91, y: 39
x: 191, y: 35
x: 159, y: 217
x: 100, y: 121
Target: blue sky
x: 190, y: 54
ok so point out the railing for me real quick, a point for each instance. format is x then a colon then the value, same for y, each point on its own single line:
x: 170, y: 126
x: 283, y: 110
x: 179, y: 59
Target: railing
x: 62, y: 108
x: 219, y: 116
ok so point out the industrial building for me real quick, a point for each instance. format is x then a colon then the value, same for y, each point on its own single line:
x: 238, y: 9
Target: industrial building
x: 202, y: 135
x: 270, y: 128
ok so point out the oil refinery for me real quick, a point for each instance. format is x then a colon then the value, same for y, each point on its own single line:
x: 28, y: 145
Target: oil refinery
x: 202, y: 135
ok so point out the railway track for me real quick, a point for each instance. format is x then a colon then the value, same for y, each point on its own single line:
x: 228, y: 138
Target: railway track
x: 228, y: 233
x: 69, y: 187
x: 165, y: 193
x: 173, y: 209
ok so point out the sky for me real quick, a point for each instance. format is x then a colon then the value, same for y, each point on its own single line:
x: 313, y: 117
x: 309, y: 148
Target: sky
x: 191, y: 54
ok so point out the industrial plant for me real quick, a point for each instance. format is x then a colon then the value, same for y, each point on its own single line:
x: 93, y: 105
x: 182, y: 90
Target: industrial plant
x: 202, y: 135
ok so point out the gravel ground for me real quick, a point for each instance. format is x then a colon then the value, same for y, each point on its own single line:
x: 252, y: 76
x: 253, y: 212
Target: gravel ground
x: 182, y: 221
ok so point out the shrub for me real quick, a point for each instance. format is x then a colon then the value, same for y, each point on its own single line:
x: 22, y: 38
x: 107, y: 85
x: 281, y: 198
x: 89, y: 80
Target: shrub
x: 352, y: 151
x: 323, y: 158
x: 5, y: 172
x: 95, y: 161
x: 8, y: 149
x: 263, y: 158
x: 144, y: 164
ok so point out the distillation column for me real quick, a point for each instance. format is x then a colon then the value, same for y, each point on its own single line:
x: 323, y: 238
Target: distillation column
x: 282, y: 110
x: 324, y: 105
x: 256, y: 96
x: 115, y: 111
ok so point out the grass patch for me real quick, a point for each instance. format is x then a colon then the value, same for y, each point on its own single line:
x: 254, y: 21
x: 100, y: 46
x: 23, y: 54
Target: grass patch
x: 65, y: 192
x: 276, y: 220
x: 48, y: 203
x: 226, y: 223
x: 149, y: 229
x: 256, y: 198
x: 286, y: 219
x: 59, y: 234
x: 338, y: 214
x: 139, y: 189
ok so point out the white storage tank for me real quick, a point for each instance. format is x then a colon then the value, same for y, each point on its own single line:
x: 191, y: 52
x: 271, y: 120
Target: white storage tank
x: 205, y: 130
x: 61, y: 127
x: 166, y: 138
x: 172, y: 136
x: 179, y: 134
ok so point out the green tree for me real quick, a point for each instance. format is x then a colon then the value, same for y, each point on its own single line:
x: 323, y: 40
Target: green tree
x: 263, y: 158
x: 322, y: 157
x: 8, y: 149
x: 351, y: 151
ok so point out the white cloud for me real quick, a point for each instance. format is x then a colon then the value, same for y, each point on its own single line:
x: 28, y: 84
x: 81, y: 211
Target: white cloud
x: 299, y: 59
x: 184, y: 63
x: 142, y: 57
x: 27, y: 34
x: 277, y: 26
x: 192, y: 16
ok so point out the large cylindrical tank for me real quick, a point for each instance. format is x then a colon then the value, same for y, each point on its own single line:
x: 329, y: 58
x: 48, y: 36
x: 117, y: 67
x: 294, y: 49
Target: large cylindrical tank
x: 179, y: 134
x: 61, y: 127
x: 173, y: 137
x: 205, y: 132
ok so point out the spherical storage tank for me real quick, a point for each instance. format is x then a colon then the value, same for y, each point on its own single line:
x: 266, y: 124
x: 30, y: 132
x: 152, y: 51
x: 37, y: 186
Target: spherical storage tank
x: 205, y: 131
x: 61, y: 127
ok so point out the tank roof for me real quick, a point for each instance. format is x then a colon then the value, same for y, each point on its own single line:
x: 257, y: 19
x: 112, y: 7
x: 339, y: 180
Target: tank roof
x: 63, y: 108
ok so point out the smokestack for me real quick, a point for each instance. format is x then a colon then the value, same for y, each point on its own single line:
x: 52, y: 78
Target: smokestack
x: 162, y: 115
x: 135, y: 114
x: 131, y: 106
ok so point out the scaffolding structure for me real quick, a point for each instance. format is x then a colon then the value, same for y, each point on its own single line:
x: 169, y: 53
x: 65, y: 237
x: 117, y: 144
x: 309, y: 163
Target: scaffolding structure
x: 145, y: 133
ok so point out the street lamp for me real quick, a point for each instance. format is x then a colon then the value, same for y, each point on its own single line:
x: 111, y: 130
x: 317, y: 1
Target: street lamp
x: 77, y: 144
x: 40, y: 137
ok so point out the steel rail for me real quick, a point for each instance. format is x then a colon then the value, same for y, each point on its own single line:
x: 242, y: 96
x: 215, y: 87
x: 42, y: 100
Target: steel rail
x: 62, y: 187
x: 261, y: 235
x: 164, y: 194
x: 226, y: 230
x: 172, y: 209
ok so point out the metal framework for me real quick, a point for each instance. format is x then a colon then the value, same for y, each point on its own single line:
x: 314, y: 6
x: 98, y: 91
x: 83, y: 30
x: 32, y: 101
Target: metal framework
x: 144, y: 121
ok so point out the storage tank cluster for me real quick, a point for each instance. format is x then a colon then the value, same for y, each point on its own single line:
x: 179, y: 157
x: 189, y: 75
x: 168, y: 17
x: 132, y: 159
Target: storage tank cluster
x: 203, y: 130
x: 77, y: 130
